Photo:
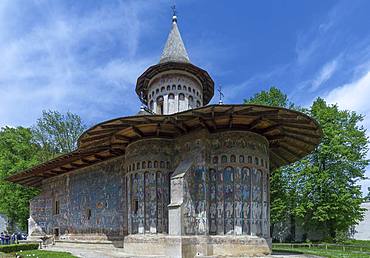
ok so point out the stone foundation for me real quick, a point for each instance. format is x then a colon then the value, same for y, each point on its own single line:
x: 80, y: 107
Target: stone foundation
x: 192, y: 246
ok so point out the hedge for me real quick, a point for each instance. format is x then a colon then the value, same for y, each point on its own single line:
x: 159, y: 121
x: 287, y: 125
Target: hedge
x: 18, y: 247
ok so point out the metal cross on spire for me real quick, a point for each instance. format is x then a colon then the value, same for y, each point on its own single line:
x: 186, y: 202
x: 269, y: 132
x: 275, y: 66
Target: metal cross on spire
x: 174, y: 13
x: 221, y: 95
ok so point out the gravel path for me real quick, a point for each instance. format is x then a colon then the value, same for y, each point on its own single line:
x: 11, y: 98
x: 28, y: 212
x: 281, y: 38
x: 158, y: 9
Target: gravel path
x: 93, y: 251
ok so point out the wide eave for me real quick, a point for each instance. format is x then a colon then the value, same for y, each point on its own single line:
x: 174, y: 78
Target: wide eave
x: 291, y: 136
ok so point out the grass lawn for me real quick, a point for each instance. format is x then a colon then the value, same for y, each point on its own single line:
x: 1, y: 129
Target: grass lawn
x: 324, y: 253
x: 39, y: 254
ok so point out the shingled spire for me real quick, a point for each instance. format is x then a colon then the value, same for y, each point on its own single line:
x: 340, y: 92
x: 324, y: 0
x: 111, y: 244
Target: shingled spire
x: 174, y: 50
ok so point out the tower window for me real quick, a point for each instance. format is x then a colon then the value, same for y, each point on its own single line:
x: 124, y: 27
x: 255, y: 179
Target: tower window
x: 184, y: 87
x: 173, y: 87
x: 153, y: 93
x: 168, y: 87
x: 179, y: 87
x: 198, y: 103
x: 189, y: 89
x: 151, y: 104
x: 162, y: 89
x: 157, y: 91
x: 171, y: 96
x: 160, y: 105
x: 181, y: 96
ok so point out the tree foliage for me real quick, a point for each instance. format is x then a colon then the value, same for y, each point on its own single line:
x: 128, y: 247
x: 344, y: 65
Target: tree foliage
x: 21, y: 148
x: 57, y: 133
x: 17, y: 152
x: 321, y: 190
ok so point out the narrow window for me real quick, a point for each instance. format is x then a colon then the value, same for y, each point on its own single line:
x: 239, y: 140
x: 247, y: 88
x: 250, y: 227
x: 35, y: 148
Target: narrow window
x: 173, y: 87
x: 184, y: 87
x: 189, y: 89
x: 181, y: 96
x: 179, y: 87
x: 149, y: 164
x: 162, y: 89
x: 143, y: 165
x: 88, y: 214
x: 162, y: 164
x: 256, y: 160
x: 171, y: 96
x: 157, y: 91
x: 151, y: 105
x: 56, y: 210
x: 138, y: 165
x: 155, y: 164
x: 168, y: 87
x: 198, y: 103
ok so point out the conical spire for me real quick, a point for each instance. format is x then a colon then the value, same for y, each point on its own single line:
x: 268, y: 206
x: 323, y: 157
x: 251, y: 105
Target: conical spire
x: 174, y: 50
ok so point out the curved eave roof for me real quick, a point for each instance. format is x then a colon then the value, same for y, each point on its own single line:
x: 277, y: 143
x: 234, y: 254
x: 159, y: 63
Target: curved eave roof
x: 291, y: 135
x: 202, y: 75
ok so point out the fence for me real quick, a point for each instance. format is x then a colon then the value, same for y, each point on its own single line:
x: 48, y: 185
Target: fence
x: 355, y: 248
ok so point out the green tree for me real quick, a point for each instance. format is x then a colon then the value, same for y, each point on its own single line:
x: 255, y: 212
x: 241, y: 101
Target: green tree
x: 17, y: 152
x: 57, y: 133
x: 330, y: 196
x: 322, y: 189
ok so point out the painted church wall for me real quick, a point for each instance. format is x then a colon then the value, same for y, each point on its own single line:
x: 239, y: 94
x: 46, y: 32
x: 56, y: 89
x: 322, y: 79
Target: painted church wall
x: 88, y: 201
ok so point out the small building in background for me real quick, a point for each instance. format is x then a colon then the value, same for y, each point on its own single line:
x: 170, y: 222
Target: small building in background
x: 362, y: 230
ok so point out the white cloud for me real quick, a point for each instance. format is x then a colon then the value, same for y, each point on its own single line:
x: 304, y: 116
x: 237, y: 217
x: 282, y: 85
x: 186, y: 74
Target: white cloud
x: 69, y: 59
x: 355, y: 96
x: 324, y: 74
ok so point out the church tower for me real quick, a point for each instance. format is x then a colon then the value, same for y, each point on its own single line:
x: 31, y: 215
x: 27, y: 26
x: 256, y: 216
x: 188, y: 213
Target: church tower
x: 174, y: 84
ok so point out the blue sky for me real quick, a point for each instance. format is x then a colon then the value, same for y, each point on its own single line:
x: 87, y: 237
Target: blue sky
x: 85, y: 56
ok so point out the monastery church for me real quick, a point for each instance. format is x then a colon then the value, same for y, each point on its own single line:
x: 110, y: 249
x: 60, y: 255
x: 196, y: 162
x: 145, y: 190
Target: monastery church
x: 180, y: 178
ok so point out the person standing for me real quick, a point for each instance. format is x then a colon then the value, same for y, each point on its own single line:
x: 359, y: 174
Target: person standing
x: 2, y: 236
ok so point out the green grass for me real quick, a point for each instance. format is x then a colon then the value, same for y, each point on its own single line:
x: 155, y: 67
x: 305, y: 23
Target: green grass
x: 44, y: 254
x: 330, y: 253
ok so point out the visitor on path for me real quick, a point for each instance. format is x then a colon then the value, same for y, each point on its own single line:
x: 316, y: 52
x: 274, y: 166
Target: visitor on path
x: 7, y: 238
x: 2, y: 236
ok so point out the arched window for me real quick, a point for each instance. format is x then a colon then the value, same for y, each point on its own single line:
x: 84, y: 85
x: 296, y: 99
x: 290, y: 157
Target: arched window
x: 162, y: 164
x: 181, y: 96
x: 162, y: 89
x: 232, y: 158
x: 198, y: 103
x: 151, y: 105
x: 173, y: 87
x: 168, y: 164
x: 194, y: 91
x: 129, y: 168
x: 157, y: 91
x: 189, y: 89
x: 250, y: 159
x: 241, y: 159
x: 138, y: 165
x: 133, y: 166
x: 160, y: 105
x: 224, y: 159
x: 179, y: 87
x: 149, y: 164
x: 184, y: 87
x: 197, y: 93
x: 262, y: 163
x: 171, y: 96
x: 143, y: 165
x: 150, y: 96
x: 215, y: 159
x: 256, y: 160
x: 168, y: 87
x: 191, y: 101
x: 153, y: 93
x: 155, y: 164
